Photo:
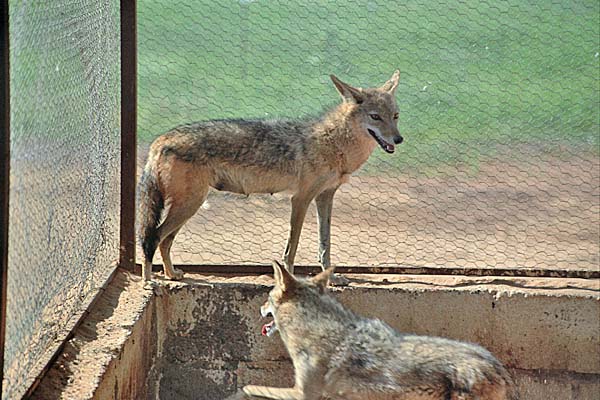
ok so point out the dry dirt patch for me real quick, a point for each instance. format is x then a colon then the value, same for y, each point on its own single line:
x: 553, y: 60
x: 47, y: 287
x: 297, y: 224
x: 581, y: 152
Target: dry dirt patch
x: 538, y: 213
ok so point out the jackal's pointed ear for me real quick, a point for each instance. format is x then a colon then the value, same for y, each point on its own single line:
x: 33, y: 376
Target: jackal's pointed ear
x: 322, y: 278
x: 347, y: 92
x: 391, y: 85
x: 282, y: 276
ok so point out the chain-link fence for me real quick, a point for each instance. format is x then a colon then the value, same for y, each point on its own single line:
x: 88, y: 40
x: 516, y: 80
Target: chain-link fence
x: 499, y: 105
x: 64, y: 189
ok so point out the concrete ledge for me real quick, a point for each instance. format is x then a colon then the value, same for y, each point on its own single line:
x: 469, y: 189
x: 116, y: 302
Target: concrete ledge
x: 200, y: 338
x: 111, y: 352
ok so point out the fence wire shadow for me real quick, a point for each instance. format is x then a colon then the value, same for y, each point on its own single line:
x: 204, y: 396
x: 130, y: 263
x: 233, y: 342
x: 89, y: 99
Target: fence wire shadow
x: 499, y: 109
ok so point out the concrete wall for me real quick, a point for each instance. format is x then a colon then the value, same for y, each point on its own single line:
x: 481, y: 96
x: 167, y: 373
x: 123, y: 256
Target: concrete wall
x: 200, y: 339
x: 111, y: 352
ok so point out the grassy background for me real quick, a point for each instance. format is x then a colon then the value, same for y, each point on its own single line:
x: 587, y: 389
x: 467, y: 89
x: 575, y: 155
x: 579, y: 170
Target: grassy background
x: 475, y: 75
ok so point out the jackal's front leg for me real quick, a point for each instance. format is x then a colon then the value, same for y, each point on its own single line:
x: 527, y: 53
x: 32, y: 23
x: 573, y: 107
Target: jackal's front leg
x: 265, y: 392
x: 299, y: 207
x: 324, y: 207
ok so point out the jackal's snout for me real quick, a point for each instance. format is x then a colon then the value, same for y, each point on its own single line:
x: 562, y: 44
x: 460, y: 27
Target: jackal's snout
x: 396, y: 137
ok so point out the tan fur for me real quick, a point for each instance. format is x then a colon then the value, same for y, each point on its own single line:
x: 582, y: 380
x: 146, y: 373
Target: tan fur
x: 308, y: 158
x: 338, y: 355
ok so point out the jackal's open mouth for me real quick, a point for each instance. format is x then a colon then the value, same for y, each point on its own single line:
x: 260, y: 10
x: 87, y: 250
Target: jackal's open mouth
x: 389, y: 148
x: 270, y: 328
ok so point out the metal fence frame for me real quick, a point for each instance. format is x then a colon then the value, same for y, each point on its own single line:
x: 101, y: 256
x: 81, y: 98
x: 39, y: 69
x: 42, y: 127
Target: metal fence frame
x: 128, y: 131
x: 4, y: 171
x: 126, y: 256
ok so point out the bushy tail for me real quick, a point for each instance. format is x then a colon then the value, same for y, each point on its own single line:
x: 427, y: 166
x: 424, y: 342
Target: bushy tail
x: 151, y: 204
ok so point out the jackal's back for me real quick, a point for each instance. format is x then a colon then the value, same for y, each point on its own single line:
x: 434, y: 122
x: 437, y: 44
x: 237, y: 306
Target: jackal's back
x: 377, y: 357
x: 247, y: 143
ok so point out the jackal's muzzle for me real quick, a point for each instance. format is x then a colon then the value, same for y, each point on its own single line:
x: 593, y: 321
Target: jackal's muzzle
x: 387, y: 147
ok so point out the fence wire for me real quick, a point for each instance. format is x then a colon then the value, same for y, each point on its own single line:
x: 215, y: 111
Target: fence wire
x: 499, y: 105
x: 64, y: 192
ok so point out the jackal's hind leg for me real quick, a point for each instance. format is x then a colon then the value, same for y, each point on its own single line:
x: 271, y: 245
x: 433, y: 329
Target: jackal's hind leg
x: 179, y: 212
x: 147, y: 270
x: 165, y: 252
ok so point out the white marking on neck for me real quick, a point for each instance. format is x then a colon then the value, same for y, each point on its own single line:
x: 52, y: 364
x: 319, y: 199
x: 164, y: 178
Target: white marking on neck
x: 265, y: 311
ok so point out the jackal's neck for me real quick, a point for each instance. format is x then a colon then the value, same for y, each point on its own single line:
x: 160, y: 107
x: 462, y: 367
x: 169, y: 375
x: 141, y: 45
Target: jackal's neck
x: 309, y: 318
x: 342, y: 137
x: 337, y: 121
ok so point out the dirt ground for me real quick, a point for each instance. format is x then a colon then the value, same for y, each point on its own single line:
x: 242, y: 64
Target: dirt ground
x: 527, y: 211
x: 534, y: 210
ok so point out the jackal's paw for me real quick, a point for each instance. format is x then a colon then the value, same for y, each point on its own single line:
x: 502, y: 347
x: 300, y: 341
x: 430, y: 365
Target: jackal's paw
x: 150, y: 285
x: 338, y: 280
x: 252, y: 390
x: 177, y: 275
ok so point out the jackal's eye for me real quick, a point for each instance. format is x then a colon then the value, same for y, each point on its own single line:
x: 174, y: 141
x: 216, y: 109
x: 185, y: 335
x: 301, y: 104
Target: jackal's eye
x: 396, y: 116
x: 376, y: 117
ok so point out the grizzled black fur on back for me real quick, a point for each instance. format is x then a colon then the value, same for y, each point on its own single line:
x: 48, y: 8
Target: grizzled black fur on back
x: 248, y: 142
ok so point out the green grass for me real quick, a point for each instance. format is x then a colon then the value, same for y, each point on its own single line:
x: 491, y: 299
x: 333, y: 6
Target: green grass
x: 474, y: 74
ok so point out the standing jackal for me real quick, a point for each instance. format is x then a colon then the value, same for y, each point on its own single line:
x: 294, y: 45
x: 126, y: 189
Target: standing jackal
x: 309, y: 158
x: 338, y: 355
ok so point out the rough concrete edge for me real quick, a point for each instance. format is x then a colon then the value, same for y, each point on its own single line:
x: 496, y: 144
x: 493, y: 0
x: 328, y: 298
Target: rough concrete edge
x: 547, y: 287
x: 160, y: 323
x: 94, y: 352
x: 533, y: 382
x: 54, y: 348
x: 84, y: 376
x: 126, y: 376
x: 557, y: 384
x: 553, y: 294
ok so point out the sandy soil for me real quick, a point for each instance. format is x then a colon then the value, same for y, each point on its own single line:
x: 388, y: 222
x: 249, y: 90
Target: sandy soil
x: 531, y: 212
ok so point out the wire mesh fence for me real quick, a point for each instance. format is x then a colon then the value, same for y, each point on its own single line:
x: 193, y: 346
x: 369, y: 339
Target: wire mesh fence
x: 499, y: 105
x: 64, y: 191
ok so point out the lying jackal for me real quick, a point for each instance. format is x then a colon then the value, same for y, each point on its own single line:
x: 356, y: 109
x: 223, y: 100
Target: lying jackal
x: 309, y: 158
x: 338, y: 355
